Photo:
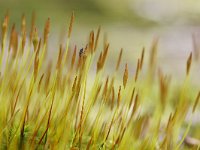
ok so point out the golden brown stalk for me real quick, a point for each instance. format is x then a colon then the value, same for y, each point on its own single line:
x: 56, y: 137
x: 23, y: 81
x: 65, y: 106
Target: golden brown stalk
x: 40, y: 82
x: 174, y: 116
x: 39, y: 46
x: 113, y: 98
x: 125, y: 77
x: 73, y: 58
x: 46, y: 30
x: 135, y: 106
x: 48, y: 75
x: 119, y: 59
x: 89, y: 143
x: 97, y: 38
x: 142, y: 58
x: 23, y: 41
x: 32, y: 140
x: 132, y: 95
x: 78, y: 88
x: 189, y: 62
x: 59, y: 61
x: 119, y: 97
x: 119, y: 138
x: 196, y: 102
x: 137, y: 70
x: 74, y: 85
x: 36, y: 62
x: 81, y: 119
x: 109, y: 129
x: 97, y: 93
x: 48, y: 122
x: 71, y: 25
x: 17, y: 98
x: 21, y: 144
x: 105, y: 52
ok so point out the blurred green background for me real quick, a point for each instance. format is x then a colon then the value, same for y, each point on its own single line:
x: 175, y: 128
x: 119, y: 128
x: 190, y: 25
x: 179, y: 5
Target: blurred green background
x: 129, y: 24
x: 138, y: 13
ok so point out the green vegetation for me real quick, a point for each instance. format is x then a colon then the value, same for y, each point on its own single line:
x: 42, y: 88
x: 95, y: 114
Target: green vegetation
x: 62, y: 104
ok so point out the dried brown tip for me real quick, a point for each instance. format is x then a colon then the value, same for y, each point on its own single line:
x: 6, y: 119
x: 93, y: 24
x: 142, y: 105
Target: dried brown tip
x: 125, y: 77
x: 102, y: 58
x: 196, y: 102
x: 119, y: 59
x: 35, y: 39
x: 32, y: 26
x: 23, y: 24
x: 71, y: 25
x: 23, y: 41
x: 137, y: 70
x: 106, y: 87
x: 105, y: 52
x: 153, y: 53
x: 91, y: 42
x: 142, y: 58
x: 23, y: 32
x: 97, y: 38
x: 59, y: 61
x: 189, y: 62
x: 46, y: 30
x: 99, y: 62
x: 11, y: 37
x: 13, y: 41
x: 119, y: 96
x: 5, y: 26
x: 164, y: 82
x: 73, y: 57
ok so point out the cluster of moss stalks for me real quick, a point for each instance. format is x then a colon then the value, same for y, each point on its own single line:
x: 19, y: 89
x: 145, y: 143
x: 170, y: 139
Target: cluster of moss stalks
x: 48, y: 104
